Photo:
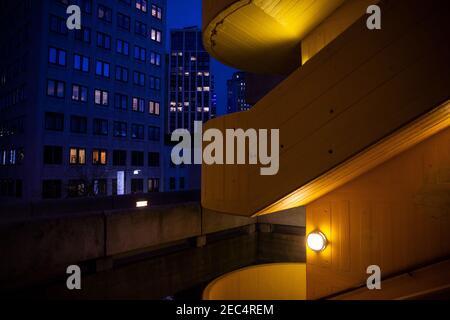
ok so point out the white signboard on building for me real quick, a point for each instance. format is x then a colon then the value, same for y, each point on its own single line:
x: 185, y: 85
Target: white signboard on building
x: 120, y: 183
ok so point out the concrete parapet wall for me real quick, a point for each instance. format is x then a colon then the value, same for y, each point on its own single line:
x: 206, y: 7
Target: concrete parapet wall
x: 38, y: 251
x: 134, y: 230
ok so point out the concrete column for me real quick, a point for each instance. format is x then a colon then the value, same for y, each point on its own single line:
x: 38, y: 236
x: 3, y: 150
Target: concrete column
x: 201, y: 241
x: 265, y: 228
x: 250, y: 229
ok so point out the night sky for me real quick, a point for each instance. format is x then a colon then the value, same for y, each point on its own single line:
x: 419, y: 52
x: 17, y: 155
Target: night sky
x: 185, y: 13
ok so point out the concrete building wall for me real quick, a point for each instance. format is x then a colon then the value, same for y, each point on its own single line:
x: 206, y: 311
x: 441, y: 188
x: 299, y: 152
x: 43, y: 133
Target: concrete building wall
x: 363, y: 88
x: 396, y: 216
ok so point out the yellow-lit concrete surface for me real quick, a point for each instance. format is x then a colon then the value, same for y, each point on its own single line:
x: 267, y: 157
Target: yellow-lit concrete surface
x: 334, y: 25
x: 396, y: 216
x: 238, y: 31
x: 403, y: 139
x: 280, y: 281
x: 364, y: 139
x: 362, y: 88
x: 424, y: 283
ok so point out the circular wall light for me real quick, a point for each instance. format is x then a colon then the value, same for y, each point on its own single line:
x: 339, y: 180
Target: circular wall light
x: 317, y: 241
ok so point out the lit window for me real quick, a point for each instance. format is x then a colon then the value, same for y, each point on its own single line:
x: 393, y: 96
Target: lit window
x: 56, y: 88
x: 12, y: 157
x: 101, y: 97
x: 153, y: 185
x: 138, y: 105
x: 79, y: 93
x: 141, y: 5
x: 156, y: 35
x: 77, y: 156
x: 156, y: 12
x: 155, y: 59
x: 154, y: 108
x: 99, y: 157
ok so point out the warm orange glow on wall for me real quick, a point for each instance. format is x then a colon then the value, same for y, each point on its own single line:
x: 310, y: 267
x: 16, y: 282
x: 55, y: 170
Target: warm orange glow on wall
x: 261, y: 35
x: 331, y: 112
x: 412, y: 134
x: 394, y: 216
x: 333, y: 26
x: 279, y: 281
x: 316, y: 241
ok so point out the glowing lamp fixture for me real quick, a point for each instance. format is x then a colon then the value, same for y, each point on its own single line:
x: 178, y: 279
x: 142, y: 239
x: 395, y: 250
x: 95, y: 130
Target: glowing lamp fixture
x: 316, y: 241
x: 141, y: 204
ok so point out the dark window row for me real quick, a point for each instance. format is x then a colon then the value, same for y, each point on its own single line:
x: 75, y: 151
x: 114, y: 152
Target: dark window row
x: 57, y: 56
x: 102, y: 68
x: 173, y: 183
x: 100, y: 127
x: 13, y: 97
x: 58, y: 25
x: 143, y: 6
x: 75, y: 188
x: 11, y: 188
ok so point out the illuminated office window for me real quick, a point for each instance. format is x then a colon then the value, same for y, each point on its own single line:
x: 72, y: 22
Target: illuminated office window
x: 77, y: 156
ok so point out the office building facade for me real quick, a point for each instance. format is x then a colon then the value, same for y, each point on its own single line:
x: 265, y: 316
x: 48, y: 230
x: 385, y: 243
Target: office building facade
x: 190, y: 80
x: 190, y: 97
x: 237, y: 93
x: 81, y: 109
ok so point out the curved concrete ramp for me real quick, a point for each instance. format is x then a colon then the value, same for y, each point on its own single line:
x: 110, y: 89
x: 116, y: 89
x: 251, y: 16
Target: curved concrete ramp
x: 366, y: 97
